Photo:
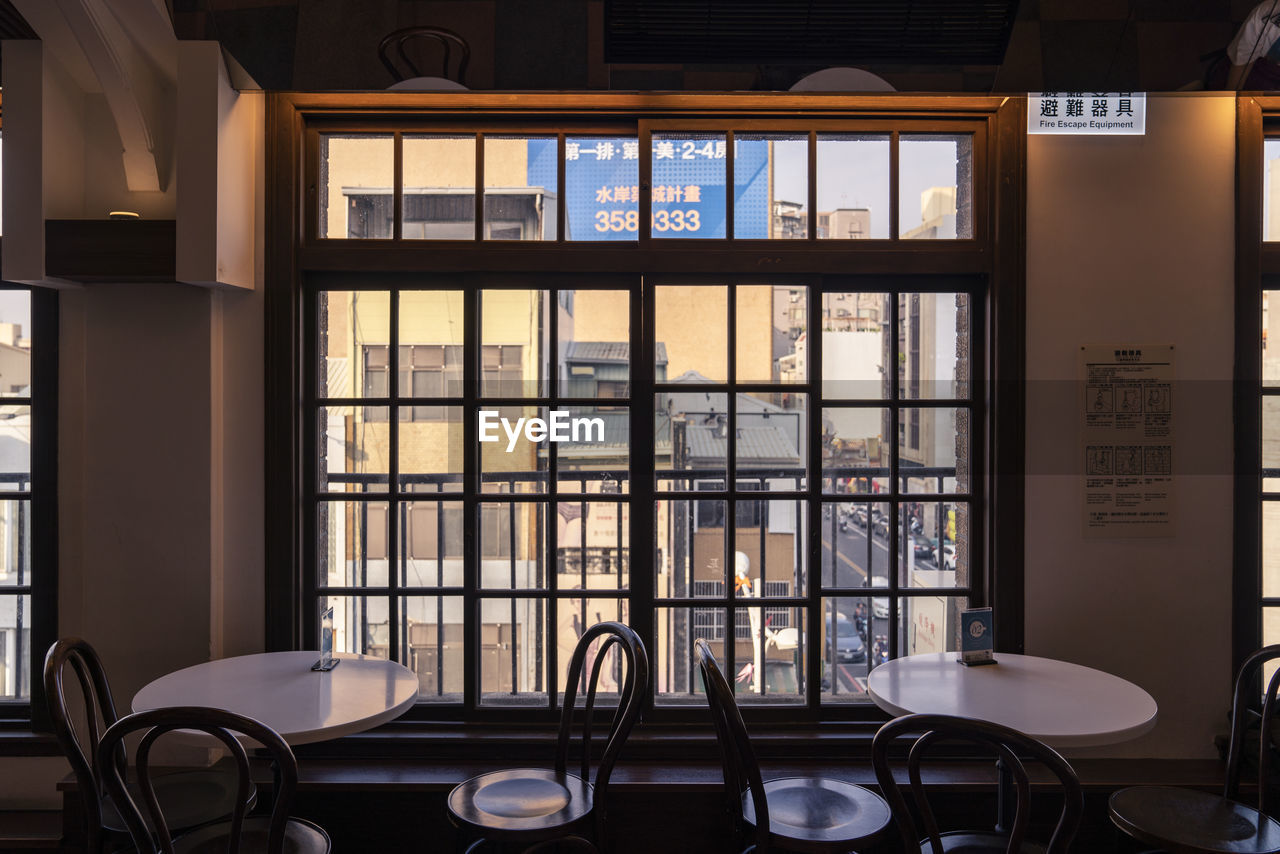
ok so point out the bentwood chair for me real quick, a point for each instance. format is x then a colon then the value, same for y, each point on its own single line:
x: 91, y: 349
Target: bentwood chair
x: 1183, y: 820
x: 532, y: 808
x: 792, y: 813
x: 274, y: 834
x: 1009, y: 746
x: 190, y: 798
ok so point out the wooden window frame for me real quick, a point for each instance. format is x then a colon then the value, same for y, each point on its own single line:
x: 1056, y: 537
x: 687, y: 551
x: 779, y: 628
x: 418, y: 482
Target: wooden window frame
x: 995, y: 254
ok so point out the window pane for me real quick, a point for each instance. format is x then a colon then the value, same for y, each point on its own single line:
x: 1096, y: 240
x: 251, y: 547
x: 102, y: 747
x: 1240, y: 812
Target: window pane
x: 352, y: 551
x: 853, y: 186
x: 592, y: 545
x: 15, y: 542
x: 855, y: 458
x: 509, y: 460
x: 431, y: 450
x: 573, y: 618
x: 597, y: 455
x: 431, y: 543
x: 1270, y: 333
x: 929, y: 624
x: 356, y: 176
x: 932, y: 445
x: 513, y: 540
x: 935, y: 186
x: 769, y: 656
x: 933, y: 359
x: 520, y: 190
x: 602, y: 188
x: 439, y: 196
x: 690, y: 562
x: 354, y: 449
x: 431, y: 340
x: 676, y: 679
x: 770, y: 327
x: 15, y: 343
x: 770, y: 442
x: 927, y: 527
x: 354, y: 336
x: 359, y: 624
x: 514, y: 326
x: 692, y: 337
x: 1270, y: 635
x: 1270, y: 186
x: 854, y: 540
x: 15, y: 648
x: 594, y: 350
x: 855, y: 346
x: 432, y: 643
x: 1270, y: 548
x: 770, y: 535
x: 847, y: 626
x: 513, y: 652
x: 688, y: 185
x: 690, y: 435
x: 771, y: 186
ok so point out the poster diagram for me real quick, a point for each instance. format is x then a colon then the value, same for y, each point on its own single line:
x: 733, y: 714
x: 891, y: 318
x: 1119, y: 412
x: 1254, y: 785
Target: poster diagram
x: 1127, y: 440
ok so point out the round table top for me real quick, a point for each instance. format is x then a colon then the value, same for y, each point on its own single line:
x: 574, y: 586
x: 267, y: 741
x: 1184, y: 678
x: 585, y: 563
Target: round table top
x: 1059, y: 703
x: 282, y: 691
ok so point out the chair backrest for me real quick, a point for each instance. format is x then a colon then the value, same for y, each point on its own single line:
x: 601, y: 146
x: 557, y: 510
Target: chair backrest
x: 1246, y: 688
x: 741, y: 769
x: 445, y: 38
x: 220, y: 724
x: 634, y: 688
x: 1007, y: 744
x: 80, y: 745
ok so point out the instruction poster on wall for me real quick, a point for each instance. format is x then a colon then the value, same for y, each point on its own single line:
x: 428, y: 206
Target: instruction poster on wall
x: 1127, y: 437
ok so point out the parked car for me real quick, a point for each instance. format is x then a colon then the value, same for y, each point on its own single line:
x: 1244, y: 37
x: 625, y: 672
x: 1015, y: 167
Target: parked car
x: 880, y: 604
x: 922, y: 548
x: 848, y: 643
x: 948, y: 557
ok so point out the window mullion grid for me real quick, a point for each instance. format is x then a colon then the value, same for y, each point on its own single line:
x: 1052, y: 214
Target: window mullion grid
x: 813, y: 209
x: 552, y: 644
x: 730, y: 156
x: 394, y: 535
x: 731, y: 495
x: 895, y: 414
x: 642, y: 473
x: 479, y: 192
x: 564, y: 195
x: 893, y: 202
x: 813, y: 393
x: 471, y: 537
x: 397, y: 186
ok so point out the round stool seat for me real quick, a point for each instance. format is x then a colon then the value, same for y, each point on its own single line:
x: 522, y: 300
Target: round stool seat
x: 819, y: 814
x: 1185, y: 820
x: 966, y: 842
x: 521, y: 801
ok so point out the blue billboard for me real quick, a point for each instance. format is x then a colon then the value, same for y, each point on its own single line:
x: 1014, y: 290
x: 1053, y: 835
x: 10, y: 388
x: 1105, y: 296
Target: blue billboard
x: 602, y: 193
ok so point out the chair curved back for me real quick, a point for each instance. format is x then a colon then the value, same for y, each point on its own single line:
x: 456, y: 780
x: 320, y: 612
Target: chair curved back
x: 100, y: 714
x: 738, y: 760
x: 1240, y: 719
x: 445, y: 38
x: 1008, y: 745
x: 220, y: 724
x: 635, y: 686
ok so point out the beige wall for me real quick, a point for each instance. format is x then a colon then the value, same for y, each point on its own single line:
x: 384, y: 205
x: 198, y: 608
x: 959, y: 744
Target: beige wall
x: 1130, y: 239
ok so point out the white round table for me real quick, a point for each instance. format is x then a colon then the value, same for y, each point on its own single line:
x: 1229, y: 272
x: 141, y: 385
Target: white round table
x: 282, y: 691
x: 1059, y: 703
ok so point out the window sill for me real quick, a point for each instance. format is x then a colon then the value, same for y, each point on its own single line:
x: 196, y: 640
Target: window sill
x: 18, y: 739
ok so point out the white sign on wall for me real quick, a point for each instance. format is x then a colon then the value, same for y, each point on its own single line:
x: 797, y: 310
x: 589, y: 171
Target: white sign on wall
x: 1087, y: 113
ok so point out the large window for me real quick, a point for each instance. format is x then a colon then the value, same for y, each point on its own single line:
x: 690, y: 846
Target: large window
x: 706, y: 388
x: 27, y: 621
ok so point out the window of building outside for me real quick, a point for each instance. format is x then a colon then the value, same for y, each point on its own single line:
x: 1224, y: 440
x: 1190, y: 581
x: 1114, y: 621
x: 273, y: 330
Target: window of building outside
x: 784, y: 464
